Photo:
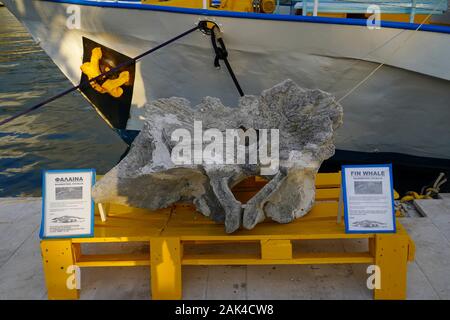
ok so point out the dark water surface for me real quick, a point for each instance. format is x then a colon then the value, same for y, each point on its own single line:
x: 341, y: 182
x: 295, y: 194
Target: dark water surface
x: 66, y: 133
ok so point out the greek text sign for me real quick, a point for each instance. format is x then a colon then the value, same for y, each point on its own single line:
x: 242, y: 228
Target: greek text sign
x: 67, y: 206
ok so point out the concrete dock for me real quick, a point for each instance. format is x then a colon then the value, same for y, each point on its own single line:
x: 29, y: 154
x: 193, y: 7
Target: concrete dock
x: 21, y: 275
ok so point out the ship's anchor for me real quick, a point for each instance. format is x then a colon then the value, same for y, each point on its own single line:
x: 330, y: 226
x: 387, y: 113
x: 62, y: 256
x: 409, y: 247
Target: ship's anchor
x: 114, y: 86
x: 92, y: 71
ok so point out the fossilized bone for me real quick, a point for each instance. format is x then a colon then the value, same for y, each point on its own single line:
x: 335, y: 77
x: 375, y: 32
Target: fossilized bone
x: 148, y: 177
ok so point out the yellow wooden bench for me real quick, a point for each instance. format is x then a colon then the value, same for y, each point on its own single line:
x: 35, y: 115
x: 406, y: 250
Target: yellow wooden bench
x: 180, y: 236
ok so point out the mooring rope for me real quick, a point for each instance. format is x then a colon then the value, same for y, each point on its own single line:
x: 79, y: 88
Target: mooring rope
x: 222, y: 54
x: 200, y: 26
x: 364, y: 80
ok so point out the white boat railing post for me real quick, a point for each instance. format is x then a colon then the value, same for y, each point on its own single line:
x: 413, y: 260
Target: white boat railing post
x: 316, y: 8
x: 305, y: 8
x: 413, y: 11
x: 205, y: 4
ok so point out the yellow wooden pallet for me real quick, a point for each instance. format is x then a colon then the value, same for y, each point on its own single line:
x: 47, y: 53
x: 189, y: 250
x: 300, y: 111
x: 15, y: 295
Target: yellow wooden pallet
x: 181, y: 236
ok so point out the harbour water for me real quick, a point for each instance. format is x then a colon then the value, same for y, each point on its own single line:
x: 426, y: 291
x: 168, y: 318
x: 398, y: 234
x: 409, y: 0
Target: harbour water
x: 66, y: 133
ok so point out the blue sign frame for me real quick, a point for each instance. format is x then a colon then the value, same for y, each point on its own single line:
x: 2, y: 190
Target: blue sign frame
x: 344, y: 193
x: 42, y: 230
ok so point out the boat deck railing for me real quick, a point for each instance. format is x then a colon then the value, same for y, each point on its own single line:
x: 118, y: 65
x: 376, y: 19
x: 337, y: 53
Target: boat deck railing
x: 411, y: 7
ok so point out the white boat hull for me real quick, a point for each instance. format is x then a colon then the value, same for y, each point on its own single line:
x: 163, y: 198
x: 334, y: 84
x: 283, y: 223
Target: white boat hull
x: 403, y: 107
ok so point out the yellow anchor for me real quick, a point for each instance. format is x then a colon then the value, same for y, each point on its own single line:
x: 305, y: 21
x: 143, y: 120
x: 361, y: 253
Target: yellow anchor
x: 111, y: 86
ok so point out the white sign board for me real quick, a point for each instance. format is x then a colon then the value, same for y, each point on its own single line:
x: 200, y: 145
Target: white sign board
x: 67, y: 206
x: 368, y: 198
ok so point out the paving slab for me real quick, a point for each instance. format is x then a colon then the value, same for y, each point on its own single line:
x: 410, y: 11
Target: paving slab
x: 445, y: 196
x: 227, y: 282
x: 438, y: 211
x: 120, y: 283
x: 18, y: 219
x: 282, y: 282
x: 419, y: 287
x: 195, y: 282
x: 22, y: 277
x: 432, y: 253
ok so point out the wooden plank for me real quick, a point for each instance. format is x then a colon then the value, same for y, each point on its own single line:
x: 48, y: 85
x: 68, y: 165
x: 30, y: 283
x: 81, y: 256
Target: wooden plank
x: 133, y: 224
x: 186, y: 216
x: 141, y: 225
x: 320, y: 223
x: 127, y: 224
x: 303, y: 228
x: 313, y: 230
x: 103, y: 210
x: 326, y: 194
x: 320, y: 210
x: 328, y: 180
x: 333, y: 257
x: 303, y: 258
x: 113, y: 260
x: 137, y: 238
x: 276, y: 249
x: 323, y: 180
